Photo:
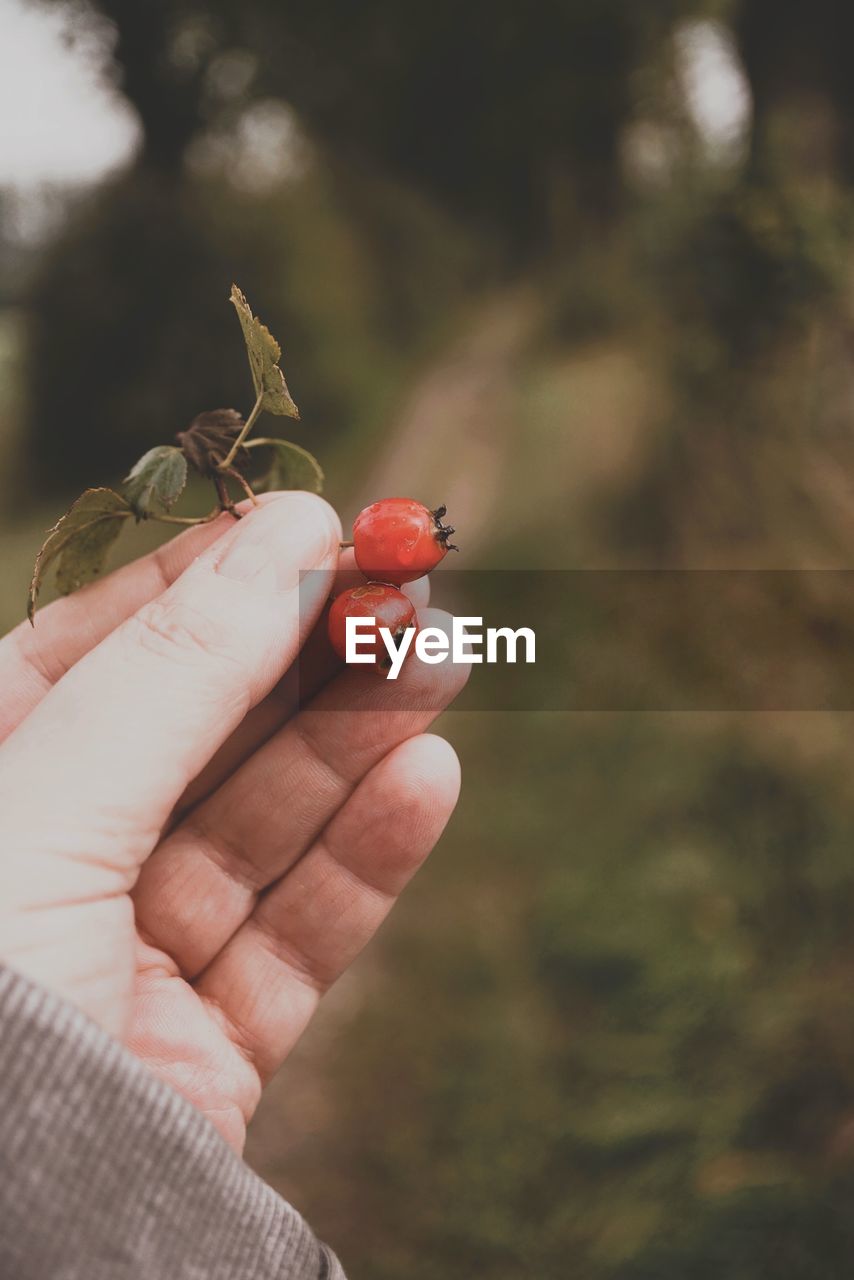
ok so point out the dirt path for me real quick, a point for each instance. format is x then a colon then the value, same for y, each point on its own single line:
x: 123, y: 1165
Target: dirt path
x: 449, y: 442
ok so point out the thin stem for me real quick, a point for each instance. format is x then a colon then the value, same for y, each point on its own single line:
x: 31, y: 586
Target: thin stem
x: 260, y: 440
x: 342, y: 546
x: 244, y: 432
x: 244, y: 484
x: 187, y: 520
x: 222, y: 493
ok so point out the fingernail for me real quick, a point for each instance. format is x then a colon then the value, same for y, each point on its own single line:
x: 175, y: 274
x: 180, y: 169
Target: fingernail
x: 275, y: 542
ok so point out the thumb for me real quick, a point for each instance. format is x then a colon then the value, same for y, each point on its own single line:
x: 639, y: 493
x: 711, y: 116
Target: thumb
x: 93, y: 773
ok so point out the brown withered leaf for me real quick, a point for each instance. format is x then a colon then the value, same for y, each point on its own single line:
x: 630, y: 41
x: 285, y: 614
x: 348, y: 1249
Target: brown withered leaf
x: 209, y: 438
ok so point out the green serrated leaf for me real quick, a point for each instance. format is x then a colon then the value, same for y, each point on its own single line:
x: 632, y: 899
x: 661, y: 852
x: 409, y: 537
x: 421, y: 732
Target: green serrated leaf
x: 157, y: 481
x: 264, y: 356
x: 80, y: 542
x: 292, y: 468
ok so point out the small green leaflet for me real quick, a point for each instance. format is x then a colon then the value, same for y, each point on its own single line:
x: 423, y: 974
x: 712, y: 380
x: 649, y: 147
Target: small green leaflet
x: 80, y: 541
x: 292, y: 467
x: 264, y: 355
x: 157, y: 481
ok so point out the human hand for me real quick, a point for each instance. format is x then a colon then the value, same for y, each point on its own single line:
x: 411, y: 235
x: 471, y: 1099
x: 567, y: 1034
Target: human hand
x: 186, y: 855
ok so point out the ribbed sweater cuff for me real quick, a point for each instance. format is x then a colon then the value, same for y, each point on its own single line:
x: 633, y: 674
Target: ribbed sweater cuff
x: 109, y: 1175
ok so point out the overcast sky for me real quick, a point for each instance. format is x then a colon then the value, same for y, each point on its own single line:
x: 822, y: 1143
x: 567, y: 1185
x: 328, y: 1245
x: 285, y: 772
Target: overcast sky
x: 60, y: 123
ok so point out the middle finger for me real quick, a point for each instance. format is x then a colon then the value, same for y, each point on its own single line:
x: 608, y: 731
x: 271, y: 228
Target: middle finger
x: 316, y: 665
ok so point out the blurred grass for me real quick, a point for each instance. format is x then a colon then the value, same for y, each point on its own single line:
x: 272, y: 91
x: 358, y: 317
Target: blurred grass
x: 603, y: 1015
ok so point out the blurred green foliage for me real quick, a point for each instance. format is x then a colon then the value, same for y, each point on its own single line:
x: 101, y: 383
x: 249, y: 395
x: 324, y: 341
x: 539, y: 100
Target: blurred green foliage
x: 610, y: 1039
x: 609, y: 1034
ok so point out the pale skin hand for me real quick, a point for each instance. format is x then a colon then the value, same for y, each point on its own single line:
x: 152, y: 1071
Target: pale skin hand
x: 184, y: 855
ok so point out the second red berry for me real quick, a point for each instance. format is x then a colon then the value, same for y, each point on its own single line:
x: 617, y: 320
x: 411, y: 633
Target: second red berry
x: 388, y: 606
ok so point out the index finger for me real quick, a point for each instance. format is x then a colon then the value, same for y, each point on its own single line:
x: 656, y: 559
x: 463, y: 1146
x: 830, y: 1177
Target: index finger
x: 33, y: 658
x: 119, y: 737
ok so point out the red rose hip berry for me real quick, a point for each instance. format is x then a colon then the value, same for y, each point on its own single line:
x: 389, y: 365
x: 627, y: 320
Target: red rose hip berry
x: 388, y: 606
x: 398, y: 539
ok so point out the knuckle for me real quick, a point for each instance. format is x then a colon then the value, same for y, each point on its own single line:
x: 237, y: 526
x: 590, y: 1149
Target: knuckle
x: 172, y: 627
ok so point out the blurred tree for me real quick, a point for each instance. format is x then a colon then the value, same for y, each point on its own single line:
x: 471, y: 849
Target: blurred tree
x: 130, y: 333
x: 508, y: 119
x: 798, y: 62
x: 751, y: 267
x: 504, y: 114
x: 166, y: 49
x: 130, y: 297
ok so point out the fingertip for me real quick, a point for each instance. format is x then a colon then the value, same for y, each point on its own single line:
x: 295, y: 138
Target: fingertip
x: 449, y: 675
x: 444, y: 765
x: 427, y: 766
x: 274, y: 543
x: 175, y: 555
x: 310, y: 509
x: 418, y: 591
x: 432, y: 617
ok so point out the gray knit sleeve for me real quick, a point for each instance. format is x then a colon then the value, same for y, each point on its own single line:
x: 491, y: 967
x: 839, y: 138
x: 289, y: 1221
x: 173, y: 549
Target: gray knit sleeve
x: 106, y: 1174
